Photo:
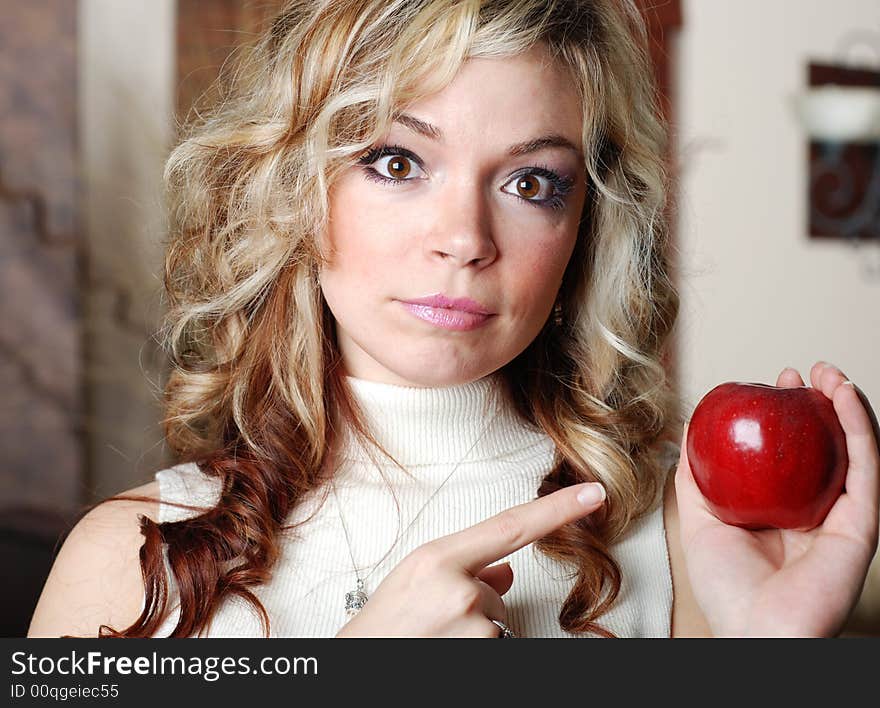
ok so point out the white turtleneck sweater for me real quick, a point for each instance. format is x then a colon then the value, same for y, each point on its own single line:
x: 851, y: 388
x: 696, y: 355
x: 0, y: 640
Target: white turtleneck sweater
x: 496, y: 460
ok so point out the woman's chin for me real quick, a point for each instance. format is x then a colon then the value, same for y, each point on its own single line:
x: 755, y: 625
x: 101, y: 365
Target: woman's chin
x: 431, y: 375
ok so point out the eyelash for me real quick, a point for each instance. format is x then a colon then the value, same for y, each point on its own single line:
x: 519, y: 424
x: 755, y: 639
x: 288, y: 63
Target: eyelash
x: 561, y: 185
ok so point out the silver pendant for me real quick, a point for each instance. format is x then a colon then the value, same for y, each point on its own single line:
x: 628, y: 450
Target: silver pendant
x: 355, y: 599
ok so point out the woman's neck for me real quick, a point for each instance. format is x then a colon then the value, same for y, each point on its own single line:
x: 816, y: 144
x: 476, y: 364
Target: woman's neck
x: 435, y: 427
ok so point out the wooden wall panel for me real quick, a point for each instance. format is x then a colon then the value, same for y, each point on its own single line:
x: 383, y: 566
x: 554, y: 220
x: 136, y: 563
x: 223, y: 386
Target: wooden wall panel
x: 664, y: 18
x: 207, y: 33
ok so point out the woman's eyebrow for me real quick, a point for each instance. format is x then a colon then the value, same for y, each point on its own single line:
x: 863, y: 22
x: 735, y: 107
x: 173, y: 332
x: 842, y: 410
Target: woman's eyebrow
x: 432, y: 132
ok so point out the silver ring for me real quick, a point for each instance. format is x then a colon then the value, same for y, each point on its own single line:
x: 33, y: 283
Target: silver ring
x: 504, y: 632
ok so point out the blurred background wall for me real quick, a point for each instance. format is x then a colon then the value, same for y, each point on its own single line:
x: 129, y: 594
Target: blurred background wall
x: 42, y: 359
x: 126, y: 107
x: 758, y: 294
x: 90, y: 93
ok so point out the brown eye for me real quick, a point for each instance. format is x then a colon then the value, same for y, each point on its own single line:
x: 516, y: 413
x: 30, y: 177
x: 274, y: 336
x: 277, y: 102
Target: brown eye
x: 399, y: 167
x: 540, y: 186
x: 394, y: 168
x: 528, y: 186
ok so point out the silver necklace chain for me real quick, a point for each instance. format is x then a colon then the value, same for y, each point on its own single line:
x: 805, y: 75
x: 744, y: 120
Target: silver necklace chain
x: 357, y: 598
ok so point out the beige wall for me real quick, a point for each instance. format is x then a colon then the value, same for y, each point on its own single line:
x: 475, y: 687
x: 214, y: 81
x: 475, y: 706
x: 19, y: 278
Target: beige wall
x: 757, y: 294
x: 126, y: 99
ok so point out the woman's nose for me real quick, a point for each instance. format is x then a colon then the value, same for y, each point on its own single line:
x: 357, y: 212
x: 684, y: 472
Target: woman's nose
x: 460, y: 231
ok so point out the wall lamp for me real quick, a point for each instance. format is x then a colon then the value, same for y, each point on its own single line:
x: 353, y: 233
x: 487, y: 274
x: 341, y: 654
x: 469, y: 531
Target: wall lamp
x: 840, y: 114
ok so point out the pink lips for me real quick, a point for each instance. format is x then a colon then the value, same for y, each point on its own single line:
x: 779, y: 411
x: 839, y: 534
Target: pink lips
x: 459, y: 314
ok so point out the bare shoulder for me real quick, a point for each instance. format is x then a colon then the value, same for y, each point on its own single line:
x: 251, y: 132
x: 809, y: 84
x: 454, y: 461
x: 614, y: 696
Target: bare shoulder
x: 96, y: 578
x: 687, y: 617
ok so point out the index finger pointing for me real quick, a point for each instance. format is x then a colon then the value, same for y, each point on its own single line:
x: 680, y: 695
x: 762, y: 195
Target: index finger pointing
x: 475, y: 547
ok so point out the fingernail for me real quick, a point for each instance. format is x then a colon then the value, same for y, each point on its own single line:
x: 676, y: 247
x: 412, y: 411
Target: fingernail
x: 848, y: 383
x: 593, y: 493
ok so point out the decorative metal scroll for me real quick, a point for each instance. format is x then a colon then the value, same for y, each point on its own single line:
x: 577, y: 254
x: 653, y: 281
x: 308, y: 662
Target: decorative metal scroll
x: 844, y: 177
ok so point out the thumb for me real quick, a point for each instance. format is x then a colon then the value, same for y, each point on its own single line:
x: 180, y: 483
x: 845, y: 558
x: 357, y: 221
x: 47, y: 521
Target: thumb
x: 789, y: 378
x: 499, y: 577
x: 694, y: 513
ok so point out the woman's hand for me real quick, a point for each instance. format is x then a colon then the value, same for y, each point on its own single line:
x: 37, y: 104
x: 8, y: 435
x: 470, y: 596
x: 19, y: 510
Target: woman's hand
x: 445, y: 589
x: 778, y: 582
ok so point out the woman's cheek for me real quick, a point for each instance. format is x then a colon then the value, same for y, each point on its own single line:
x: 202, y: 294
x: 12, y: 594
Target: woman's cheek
x: 544, y: 263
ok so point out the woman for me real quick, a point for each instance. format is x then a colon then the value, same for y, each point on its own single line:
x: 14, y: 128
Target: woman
x: 418, y: 277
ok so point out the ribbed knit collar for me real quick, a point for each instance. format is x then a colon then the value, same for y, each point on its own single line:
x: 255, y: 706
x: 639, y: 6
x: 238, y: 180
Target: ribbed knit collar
x: 448, y: 425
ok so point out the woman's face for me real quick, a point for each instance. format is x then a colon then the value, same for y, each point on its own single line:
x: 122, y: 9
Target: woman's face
x: 470, y: 204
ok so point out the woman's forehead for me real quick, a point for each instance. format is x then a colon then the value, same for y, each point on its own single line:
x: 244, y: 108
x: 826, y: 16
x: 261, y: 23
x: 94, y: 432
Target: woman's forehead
x: 519, y: 97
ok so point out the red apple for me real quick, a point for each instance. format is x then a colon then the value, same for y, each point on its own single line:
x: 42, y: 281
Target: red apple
x: 767, y: 457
